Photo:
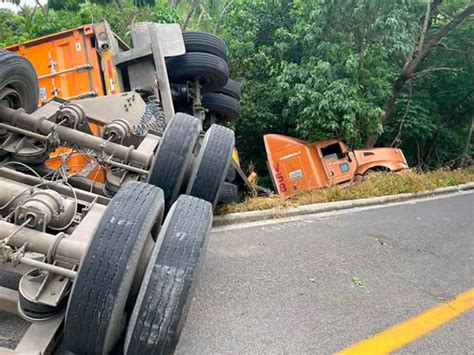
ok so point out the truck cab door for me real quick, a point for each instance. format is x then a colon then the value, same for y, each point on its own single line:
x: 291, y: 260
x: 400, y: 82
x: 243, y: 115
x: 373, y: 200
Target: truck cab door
x: 338, y: 163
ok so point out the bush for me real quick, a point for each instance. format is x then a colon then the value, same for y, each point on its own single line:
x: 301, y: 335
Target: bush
x: 375, y: 184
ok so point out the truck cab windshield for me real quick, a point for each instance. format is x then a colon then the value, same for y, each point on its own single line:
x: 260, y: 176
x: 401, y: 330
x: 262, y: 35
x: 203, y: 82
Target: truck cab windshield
x: 332, y: 151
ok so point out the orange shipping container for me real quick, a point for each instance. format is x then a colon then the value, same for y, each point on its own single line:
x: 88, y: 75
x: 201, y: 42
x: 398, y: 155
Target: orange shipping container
x: 67, y: 64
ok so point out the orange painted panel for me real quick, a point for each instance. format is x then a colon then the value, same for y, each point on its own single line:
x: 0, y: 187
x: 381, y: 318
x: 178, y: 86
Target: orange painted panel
x: 66, y: 63
x: 297, y: 166
x: 75, y: 162
x: 67, y: 66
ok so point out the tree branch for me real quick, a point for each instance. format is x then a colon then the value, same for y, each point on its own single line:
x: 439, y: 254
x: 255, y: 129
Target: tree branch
x: 457, y: 70
x: 417, y: 56
x: 426, y: 20
x: 438, y: 36
x: 174, y: 3
x: 190, y: 14
x: 424, y: 27
x: 44, y: 9
x: 455, y: 50
x: 38, y: 3
x: 30, y: 20
x: 14, y: 2
x: 397, y: 140
x: 221, y: 16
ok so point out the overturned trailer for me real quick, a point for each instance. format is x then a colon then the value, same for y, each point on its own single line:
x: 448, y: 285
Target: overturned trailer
x: 193, y: 77
x: 110, y: 262
x: 108, y: 269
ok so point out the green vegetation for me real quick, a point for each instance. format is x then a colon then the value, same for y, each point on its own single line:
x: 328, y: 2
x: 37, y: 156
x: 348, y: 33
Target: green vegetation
x: 375, y: 184
x: 395, y: 73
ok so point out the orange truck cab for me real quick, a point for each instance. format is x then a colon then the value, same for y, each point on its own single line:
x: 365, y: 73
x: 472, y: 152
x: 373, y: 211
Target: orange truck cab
x: 298, y: 166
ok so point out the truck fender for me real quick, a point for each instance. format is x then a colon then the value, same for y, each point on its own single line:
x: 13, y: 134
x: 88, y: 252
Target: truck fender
x: 378, y: 166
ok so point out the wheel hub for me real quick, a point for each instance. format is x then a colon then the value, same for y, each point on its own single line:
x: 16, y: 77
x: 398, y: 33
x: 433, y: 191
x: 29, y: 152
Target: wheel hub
x: 9, y: 97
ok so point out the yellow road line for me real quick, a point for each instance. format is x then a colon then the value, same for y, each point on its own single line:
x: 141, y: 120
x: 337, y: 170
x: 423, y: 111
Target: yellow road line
x: 401, y: 334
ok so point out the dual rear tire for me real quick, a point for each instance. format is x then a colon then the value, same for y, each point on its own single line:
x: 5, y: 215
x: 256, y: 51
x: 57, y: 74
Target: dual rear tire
x: 205, y: 60
x: 224, y: 103
x: 225, y: 108
x: 102, y: 292
x: 18, y: 84
x: 169, y: 282
x: 95, y: 316
x: 211, y: 71
x: 211, y: 165
x: 177, y: 169
x: 229, y: 194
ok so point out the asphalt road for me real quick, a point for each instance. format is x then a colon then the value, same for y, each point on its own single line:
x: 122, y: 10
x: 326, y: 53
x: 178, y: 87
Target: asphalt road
x: 317, y: 284
x: 288, y: 287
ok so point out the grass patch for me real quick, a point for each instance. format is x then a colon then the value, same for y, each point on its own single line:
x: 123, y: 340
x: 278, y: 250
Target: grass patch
x: 375, y: 184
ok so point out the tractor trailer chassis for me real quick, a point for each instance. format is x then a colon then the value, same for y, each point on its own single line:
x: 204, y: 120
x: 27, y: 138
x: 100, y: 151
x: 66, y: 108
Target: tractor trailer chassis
x: 93, y: 257
x: 23, y: 248
x: 52, y: 233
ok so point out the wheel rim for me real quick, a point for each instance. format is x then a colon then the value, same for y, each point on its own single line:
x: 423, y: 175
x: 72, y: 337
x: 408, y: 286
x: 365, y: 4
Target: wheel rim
x: 9, y: 97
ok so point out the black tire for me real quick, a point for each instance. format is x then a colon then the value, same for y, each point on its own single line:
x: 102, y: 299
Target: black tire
x: 168, y: 285
x: 231, y: 173
x: 212, y: 71
x: 205, y: 42
x: 232, y: 88
x: 226, y: 108
x: 211, y: 165
x: 18, y: 82
x: 174, y: 155
x: 229, y: 193
x: 95, y: 312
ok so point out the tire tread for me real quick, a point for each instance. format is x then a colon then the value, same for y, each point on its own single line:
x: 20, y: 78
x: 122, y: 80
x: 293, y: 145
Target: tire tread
x: 113, y: 251
x: 195, y: 65
x: 212, y: 163
x: 205, y: 42
x: 169, y: 282
x: 173, y: 155
x: 14, y: 67
x: 226, y: 107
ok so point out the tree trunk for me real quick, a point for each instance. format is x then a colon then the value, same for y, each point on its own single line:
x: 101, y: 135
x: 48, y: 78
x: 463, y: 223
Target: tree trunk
x: 174, y: 3
x: 420, y: 51
x: 221, y: 16
x: 389, y: 103
x: 190, y: 13
x: 465, y: 157
x: 443, y: 121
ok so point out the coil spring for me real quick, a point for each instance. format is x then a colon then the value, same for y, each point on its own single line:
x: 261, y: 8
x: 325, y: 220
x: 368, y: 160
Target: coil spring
x: 152, y: 119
